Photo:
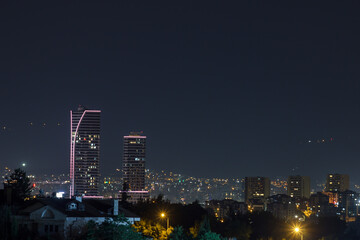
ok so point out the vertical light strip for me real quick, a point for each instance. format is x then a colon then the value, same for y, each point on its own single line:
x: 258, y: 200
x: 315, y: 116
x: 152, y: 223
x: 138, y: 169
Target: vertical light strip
x: 71, y: 159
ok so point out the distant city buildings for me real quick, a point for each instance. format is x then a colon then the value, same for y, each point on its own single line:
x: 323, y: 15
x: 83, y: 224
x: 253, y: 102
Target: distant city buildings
x: 337, y: 182
x: 282, y: 206
x: 84, y: 152
x: 226, y: 208
x: 320, y: 205
x: 223, y: 197
x: 348, y: 205
x: 134, y: 159
x: 298, y: 187
x: 257, y: 189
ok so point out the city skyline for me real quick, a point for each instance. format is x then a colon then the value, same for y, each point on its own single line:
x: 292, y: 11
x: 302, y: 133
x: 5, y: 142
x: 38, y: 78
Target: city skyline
x: 195, y: 120
x: 178, y: 187
x: 262, y: 89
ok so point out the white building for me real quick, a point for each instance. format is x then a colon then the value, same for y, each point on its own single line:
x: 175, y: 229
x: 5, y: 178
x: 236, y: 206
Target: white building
x: 66, y: 217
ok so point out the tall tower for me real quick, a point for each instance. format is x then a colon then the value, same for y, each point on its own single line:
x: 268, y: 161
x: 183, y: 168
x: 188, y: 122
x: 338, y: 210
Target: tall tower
x: 134, y: 166
x: 84, y: 152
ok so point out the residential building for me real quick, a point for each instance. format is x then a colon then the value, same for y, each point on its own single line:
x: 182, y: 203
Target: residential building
x: 298, y: 186
x: 333, y: 197
x: 320, y: 205
x: 348, y: 205
x: 257, y: 189
x: 337, y: 182
x: 62, y: 218
x: 282, y: 206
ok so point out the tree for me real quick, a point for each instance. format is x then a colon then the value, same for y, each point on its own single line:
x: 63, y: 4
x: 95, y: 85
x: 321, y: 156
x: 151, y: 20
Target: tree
x: 238, y: 228
x: 19, y: 184
x: 204, y: 228
x: 153, y: 229
x: 178, y: 234
x: 205, y: 232
x: 210, y: 236
x: 330, y: 227
x: 8, y: 225
x: 111, y: 229
x: 124, y: 196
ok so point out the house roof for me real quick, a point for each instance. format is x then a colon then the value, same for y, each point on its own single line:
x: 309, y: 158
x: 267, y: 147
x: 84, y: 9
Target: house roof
x: 86, y: 208
x: 106, y: 205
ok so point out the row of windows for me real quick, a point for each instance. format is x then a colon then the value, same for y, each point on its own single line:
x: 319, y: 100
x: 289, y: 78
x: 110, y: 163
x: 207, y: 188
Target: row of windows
x: 47, y: 228
x: 51, y: 228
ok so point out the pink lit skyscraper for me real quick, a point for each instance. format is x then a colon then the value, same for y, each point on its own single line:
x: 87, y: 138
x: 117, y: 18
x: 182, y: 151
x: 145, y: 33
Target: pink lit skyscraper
x: 84, y: 152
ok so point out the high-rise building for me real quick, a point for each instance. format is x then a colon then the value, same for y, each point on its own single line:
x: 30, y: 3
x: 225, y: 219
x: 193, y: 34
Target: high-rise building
x: 257, y: 188
x: 134, y: 166
x: 337, y: 182
x: 84, y: 152
x: 348, y: 205
x: 298, y: 186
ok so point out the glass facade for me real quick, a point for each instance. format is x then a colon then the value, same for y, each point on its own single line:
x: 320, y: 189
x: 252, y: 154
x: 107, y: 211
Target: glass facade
x: 84, y: 152
x: 134, y: 162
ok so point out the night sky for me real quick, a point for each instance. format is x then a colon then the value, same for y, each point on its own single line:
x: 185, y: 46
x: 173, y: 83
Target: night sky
x: 221, y: 89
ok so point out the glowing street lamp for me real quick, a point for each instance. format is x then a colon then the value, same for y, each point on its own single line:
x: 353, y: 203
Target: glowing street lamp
x: 297, y: 230
x: 163, y: 215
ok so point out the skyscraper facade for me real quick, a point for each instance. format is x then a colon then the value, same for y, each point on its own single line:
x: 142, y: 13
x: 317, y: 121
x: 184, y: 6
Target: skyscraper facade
x: 84, y: 152
x: 134, y: 166
x: 298, y: 186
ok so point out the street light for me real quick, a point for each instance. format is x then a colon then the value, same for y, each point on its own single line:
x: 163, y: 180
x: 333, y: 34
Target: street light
x: 297, y: 230
x: 163, y: 215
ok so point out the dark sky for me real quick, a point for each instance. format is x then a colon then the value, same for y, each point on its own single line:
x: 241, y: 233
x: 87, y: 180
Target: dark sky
x: 223, y: 89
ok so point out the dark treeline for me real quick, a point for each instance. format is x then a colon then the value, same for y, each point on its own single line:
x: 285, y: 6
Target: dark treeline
x: 251, y: 226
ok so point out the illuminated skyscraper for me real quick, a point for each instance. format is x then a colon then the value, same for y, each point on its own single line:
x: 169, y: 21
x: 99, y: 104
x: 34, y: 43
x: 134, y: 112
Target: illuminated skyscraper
x: 134, y: 166
x: 84, y: 152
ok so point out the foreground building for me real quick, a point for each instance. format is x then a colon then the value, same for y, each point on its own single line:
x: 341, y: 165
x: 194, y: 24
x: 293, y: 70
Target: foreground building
x: 84, y: 152
x: 134, y: 159
x: 64, y: 218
